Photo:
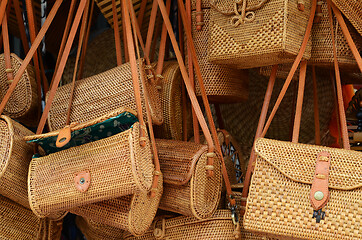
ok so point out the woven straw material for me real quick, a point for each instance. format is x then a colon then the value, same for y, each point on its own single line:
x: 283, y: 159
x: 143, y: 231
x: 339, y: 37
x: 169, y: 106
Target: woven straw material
x: 172, y: 104
x: 283, y: 71
x: 273, y: 37
x: 218, y: 227
x: 118, y: 166
x: 97, y: 231
x: 322, y: 47
x: 22, y: 104
x: 15, y: 158
x: 241, y: 119
x: 133, y: 213
x: 352, y: 9
x: 18, y: 222
x: 222, y: 83
x: 278, y: 201
x: 187, y: 189
x: 100, y: 94
x: 53, y: 229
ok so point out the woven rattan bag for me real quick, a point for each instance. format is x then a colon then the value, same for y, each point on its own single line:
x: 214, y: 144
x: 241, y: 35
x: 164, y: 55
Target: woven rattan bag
x: 98, y: 170
x: 259, y: 33
x: 15, y: 158
x: 96, y: 231
x: 133, y: 213
x: 187, y: 188
x: 101, y: 94
x: 222, y: 83
x: 352, y: 10
x: 219, y: 226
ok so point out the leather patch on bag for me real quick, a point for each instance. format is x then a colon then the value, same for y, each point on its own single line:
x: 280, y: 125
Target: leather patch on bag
x: 82, y: 181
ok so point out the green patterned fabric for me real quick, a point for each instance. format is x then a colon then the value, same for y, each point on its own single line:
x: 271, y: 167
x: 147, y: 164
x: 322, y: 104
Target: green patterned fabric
x: 107, y: 128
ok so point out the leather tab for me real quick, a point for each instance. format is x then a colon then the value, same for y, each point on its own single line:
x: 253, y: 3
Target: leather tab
x: 82, y: 180
x: 319, y: 194
x: 64, y: 137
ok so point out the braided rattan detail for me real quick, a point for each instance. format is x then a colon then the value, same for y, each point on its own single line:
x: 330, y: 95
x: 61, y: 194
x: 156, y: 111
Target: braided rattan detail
x: 187, y: 189
x: 97, y: 231
x: 18, y: 222
x: 352, y: 10
x: 278, y: 201
x: 118, y: 166
x: 273, y: 37
x: 23, y: 103
x: 322, y: 48
x: 100, y: 94
x: 222, y: 83
x: 15, y: 158
x: 133, y: 213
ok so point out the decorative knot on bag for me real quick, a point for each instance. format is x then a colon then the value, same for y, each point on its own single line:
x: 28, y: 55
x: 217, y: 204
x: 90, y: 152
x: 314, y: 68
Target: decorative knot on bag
x: 159, y: 233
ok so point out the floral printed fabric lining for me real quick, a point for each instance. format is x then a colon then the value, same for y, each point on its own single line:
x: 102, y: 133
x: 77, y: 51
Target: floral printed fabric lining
x: 107, y: 128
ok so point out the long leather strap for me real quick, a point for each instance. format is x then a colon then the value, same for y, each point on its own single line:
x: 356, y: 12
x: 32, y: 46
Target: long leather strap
x: 3, y: 5
x: 5, y: 33
x: 199, y: 16
x: 342, y: 115
x: 316, y: 108
x: 125, y: 44
x: 157, y: 172
x: 117, y: 38
x: 39, y: 68
x: 19, y: 19
x: 151, y: 27
x: 30, y: 54
x: 141, y: 12
x: 61, y: 66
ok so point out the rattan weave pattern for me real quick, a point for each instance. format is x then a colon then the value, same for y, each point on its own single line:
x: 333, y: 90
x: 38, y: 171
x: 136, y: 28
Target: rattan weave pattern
x: 18, y: 222
x: 222, y: 83
x: 96, y: 231
x: 322, y: 47
x: 118, y: 166
x: 187, y: 189
x: 133, y: 213
x: 100, y: 94
x: 218, y: 227
x: 352, y: 10
x: 273, y: 37
x: 23, y: 103
x: 15, y: 158
x: 278, y: 201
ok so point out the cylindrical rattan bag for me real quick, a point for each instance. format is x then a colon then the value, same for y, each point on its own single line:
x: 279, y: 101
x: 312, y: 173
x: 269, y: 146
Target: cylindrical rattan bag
x: 222, y: 83
x: 322, y: 48
x: 18, y: 222
x: 100, y: 94
x: 219, y: 226
x: 133, y: 213
x: 16, y: 155
x: 113, y: 166
x: 261, y: 34
x: 97, y: 231
x: 187, y: 188
x: 23, y: 103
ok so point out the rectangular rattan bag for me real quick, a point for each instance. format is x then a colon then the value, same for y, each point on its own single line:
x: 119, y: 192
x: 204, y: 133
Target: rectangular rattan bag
x: 255, y: 33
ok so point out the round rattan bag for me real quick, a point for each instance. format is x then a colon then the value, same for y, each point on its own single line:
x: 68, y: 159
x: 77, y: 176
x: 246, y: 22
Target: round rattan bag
x: 97, y: 231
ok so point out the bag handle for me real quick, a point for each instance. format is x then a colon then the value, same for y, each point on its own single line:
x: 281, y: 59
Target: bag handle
x: 5, y: 33
x: 117, y: 38
x: 31, y: 52
x: 3, y: 8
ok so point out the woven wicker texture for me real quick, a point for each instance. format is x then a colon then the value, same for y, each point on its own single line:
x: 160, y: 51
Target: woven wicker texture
x: 172, y: 104
x: 15, y: 158
x: 352, y: 9
x: 322, y: 47
x: 118, y: 166
x: 274, y: 36
x: 218, y: 227
x: 22, y: 104
x: 278, y: 201
x: 187, y: 189
x: 54, y: 229
x: 133, y: 213
x: 100, y: 94
x: 97, y: 231
x: 222, y: 83
x: 18, y: 222
x: 241, y: 119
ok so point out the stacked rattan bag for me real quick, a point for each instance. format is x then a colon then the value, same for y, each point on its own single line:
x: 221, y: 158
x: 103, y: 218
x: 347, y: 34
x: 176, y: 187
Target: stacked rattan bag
x: 352, y: 10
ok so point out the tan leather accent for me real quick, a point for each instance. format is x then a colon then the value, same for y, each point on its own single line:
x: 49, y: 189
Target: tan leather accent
x: 320, y: 184
x: 301, y: 5
x: 316, y: 109
x: 3, y: 5
x: 19, y: 19
x: 82, y: 181
x: 64, y: 137
x: 199, y: 16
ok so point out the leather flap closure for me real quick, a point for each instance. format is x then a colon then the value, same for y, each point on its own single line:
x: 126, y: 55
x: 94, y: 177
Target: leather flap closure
x: 178, y: 159
x: 298, y: 162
